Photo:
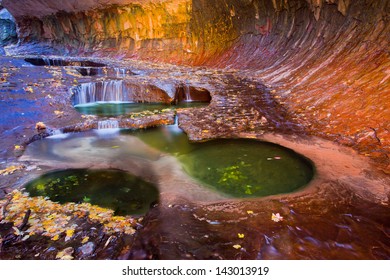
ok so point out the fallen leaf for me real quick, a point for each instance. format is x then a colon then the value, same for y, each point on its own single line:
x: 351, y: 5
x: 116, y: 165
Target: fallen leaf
x: 85, y: 240
x: 237, y: 246
x: 28, y: 89
x: 276, y: 217
x: 69, y: 234
x: 17, y: 231
x: 65, y: 254
x: 241, y: 235
x: 55, y: 237
x: 11, y: 169
x: 40, y: 126
x: 249, y: 212
x: 25, y: 237
x: 58, y: 113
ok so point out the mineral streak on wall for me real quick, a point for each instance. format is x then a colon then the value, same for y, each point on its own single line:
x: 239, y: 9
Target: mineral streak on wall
x: 327, y: 60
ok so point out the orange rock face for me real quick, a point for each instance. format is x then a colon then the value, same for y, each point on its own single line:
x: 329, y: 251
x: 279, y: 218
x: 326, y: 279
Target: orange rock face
x: 327, y: 61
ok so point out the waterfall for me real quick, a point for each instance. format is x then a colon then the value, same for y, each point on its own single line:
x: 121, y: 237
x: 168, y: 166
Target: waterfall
x: 108, y: 124
x: 120, y: 72
x: 47, y: 61
x: 58, y: 134
x: 107, y: 91
x: 174, y: 128
x: 88, y: 71
x: 187, y: 94
x: 53, y: 62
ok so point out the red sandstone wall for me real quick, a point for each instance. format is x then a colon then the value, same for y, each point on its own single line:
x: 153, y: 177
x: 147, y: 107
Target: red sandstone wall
x: 327, y: 60
x: 329, y: 63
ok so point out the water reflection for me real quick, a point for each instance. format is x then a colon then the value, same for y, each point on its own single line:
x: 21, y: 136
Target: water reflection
x: 234, y: 167
x: 124, y: 193
x: 111, y: 109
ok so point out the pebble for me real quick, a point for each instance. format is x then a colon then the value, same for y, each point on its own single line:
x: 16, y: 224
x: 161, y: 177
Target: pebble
x: 87, y: 249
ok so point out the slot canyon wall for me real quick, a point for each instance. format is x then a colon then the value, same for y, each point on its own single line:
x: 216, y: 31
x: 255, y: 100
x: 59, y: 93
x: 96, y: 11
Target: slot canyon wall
x: 7, y: 28
x: 328, y: 61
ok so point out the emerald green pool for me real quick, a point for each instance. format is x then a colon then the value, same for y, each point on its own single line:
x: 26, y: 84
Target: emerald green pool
x: 124, y: 193
x: 112, y: 109
x: 247, y: 168
x: 239, y: 168
x: 236, y: 167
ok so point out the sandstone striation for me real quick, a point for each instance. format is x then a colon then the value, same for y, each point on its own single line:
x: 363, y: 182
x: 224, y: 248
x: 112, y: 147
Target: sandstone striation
x: 326, y: 60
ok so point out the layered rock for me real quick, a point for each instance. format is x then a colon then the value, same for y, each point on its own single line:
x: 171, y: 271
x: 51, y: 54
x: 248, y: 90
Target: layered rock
x: 7, y: 28
x: 327, y: 60
x: 157, y: 30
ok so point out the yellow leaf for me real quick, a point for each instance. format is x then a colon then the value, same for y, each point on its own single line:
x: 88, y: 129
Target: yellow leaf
x: 85, y: 240
x: 237, y: 246
x: 249, y: 212
x: 65, y: 254
x: 55, y: 237
x: 276, y: 217
x: 241, y: 235
x: 29, y: 89
x: 69, y: 234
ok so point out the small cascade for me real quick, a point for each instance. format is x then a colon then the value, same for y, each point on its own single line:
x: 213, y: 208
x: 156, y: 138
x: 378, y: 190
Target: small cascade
x: 107, y: 91
x: 58, y: 134
x: 120, y: 72
x: 53, y: 62
x: 90, y: 71
x: 174, y: 128
x: 187, y: 94
x: 47, y: 61
x: 108, y: 124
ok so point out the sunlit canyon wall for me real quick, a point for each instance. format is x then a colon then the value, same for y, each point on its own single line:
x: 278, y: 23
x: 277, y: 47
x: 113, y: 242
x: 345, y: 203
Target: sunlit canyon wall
x: 326, y: 60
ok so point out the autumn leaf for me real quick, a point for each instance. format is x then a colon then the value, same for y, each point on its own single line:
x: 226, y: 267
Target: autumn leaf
x: 28, y: 89
x: 249, y: 212
x: 241, y: 235
x: 85, y: 240
x: 58, y: 113
x: 276, y: 217
x: 237, y: 246
x: 52, y: 219
x: 55, y: 237
x: 65, y: 254
x: 69, y: 234
x: 11, y: 169
x: 40, y: 126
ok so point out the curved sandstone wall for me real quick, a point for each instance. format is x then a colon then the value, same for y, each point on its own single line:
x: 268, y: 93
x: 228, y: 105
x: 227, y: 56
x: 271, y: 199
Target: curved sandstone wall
x: 326, y: 60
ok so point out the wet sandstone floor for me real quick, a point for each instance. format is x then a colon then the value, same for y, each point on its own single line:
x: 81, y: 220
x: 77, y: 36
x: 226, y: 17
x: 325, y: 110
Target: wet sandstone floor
x: 342, y: 214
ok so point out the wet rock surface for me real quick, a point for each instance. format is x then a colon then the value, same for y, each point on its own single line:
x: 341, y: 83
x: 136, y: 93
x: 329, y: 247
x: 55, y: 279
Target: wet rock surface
x: 7, y: 29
